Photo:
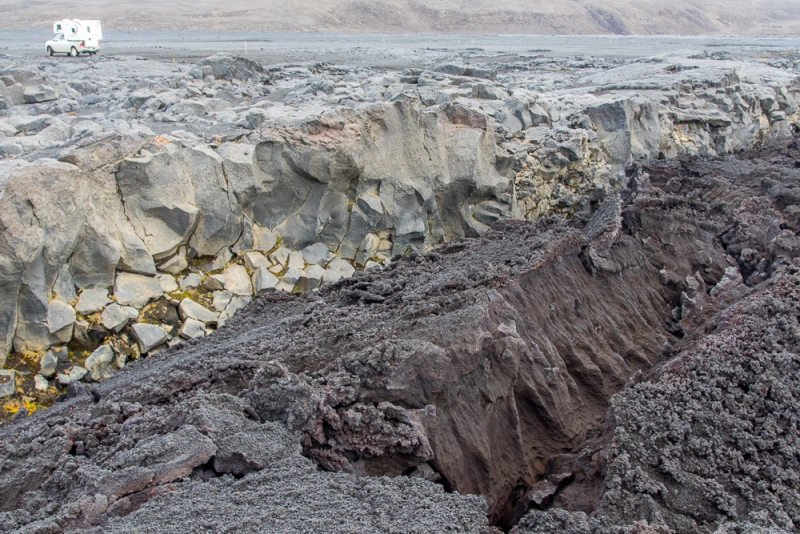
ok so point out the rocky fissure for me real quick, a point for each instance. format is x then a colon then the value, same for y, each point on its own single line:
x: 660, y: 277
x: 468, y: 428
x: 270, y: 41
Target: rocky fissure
x: 489, y: 362
x: 125, y: 233
x: 385, y: 326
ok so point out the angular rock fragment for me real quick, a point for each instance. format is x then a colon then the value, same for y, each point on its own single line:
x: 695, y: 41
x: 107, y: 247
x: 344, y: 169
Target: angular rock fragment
x: 280, y: 256
x: 237, y: 281
x: 190, y: 281
x: 342, y: 266
x: 222, y: 259
x: 192, y: 328
x: 148, y: 336
x: 168, y: 283
x: 60, y: 319
x: 100, y: 363
x: 92, y: 300
x: 264, y: 281
x: 47, y: 364
x: 289, y: 280
x: 331, y: 276
x: 39, y: 93
x: 317, y: 254
x: 368, y: 249
x: 136, y: 290
x: 191, y: 309
x: 221, y: 300
x: 311, y: 278
x: 40, y: 383
x: 116, y: 317
x: 7, y: 386
x: 214, y: 282
x: 255, y: 260
x: 176, y: 263
x: 74, y: 375
x: 295, y: 260
x: 230, y: 67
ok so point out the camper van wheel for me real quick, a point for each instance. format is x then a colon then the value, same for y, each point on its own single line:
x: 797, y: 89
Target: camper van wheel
x: 73, y: 52
x: 49, y: 51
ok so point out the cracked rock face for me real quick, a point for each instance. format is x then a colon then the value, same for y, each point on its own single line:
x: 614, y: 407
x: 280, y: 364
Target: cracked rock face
x: 634, y: 371
x: 146, y: 185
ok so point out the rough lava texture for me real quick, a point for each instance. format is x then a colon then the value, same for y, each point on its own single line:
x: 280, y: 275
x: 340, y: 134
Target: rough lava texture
x: 633, y: 373
x: 707, y: 442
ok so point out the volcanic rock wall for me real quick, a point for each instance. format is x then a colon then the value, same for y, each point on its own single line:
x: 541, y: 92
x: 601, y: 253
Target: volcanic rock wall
x: 118, y: 241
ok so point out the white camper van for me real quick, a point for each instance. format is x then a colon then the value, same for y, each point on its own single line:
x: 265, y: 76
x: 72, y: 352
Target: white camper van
x: 75, y: 37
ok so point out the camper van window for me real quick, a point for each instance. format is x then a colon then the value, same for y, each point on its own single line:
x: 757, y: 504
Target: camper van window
x: 60, y: 37
x: 88, y: 29
x: 58, y: 27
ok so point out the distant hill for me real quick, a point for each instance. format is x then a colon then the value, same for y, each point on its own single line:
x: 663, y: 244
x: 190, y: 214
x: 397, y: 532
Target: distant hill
x: 641, y: 17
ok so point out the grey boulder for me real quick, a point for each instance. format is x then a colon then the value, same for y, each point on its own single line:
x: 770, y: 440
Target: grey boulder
x: 189, y: 309
x: 168, y: 283
x: 214, y: 282
x: 264, y: 281
x: 92, y: 300
x: 317, y: 254
x: 237, y: 280
x: 99, y: 363
x: 75, y: 374
x: 136, y: 290
x: 192, y: 328
x: 115, y: 317
x: 7, y: 382
x: 229, y: 67
x: 343, y: 267
x: 40, y: 383
x: 39, y: 93
x: 60, y: 319
x: 311, y: 278
x: 221, y: 300
x: 148, y: 336
x: 290, y: 279
x: 190, y: 281
x: 254, y: 260
x: 48, y: 364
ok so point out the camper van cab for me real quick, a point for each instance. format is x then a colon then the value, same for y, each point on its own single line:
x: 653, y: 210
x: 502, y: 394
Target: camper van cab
x: 75, y: 37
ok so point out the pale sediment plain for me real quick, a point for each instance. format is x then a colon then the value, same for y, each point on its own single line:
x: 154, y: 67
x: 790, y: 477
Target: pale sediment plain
x: 221, y: 266
x: 585, y: 17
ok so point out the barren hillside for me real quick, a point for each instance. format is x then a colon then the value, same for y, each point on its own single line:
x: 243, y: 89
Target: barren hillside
x: 642, y: 17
